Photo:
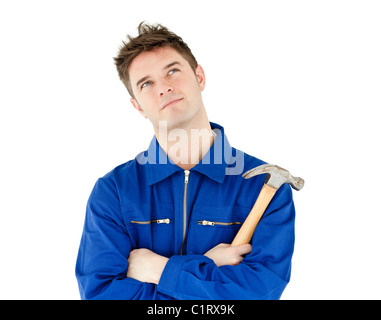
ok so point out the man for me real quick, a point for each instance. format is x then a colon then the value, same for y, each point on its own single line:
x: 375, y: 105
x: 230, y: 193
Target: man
x: 159, y: 226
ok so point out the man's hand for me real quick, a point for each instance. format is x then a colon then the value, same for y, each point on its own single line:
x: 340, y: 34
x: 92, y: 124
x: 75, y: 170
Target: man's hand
x: 145, y: 265
x: 224, y: 254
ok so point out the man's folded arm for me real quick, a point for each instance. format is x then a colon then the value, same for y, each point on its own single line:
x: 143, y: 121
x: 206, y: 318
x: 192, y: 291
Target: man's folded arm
x: 105, y: 246
x: 102, y: 264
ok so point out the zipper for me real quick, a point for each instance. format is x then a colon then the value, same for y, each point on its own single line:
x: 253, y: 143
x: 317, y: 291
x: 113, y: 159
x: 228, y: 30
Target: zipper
x: 213, y: 223
x: 186, y: 179
x: 158, y: 221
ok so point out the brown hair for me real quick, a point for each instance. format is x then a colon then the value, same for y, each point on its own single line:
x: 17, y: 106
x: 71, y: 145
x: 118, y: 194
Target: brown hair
x: 150, y: 38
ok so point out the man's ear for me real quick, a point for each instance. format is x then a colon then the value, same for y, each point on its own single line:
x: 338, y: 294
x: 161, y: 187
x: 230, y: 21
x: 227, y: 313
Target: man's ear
x: 138, y: 107
x: 200, y: 74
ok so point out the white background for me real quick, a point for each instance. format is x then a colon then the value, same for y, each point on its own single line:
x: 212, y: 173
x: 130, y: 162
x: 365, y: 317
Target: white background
x: 295, y: 83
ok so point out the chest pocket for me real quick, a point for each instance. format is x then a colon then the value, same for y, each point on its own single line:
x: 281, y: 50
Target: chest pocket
x: 211, y: 225
x: 152, y: 227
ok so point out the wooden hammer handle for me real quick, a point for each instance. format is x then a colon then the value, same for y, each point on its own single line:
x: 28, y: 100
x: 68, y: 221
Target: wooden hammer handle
x: 246, y: 231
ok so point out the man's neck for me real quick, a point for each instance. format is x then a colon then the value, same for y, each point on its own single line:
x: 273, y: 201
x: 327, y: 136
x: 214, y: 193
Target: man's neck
x: 187, y: 144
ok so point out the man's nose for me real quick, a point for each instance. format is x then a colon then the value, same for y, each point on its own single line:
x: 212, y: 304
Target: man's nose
x: 165, y: 88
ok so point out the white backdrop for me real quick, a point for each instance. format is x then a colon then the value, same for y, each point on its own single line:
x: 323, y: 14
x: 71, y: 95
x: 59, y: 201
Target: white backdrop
x: 295, y: 83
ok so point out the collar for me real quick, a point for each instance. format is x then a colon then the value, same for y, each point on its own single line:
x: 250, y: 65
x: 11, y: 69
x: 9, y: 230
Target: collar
x: 212, y: 165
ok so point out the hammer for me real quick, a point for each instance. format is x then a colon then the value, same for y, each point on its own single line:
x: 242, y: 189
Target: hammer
x: 276, y: 176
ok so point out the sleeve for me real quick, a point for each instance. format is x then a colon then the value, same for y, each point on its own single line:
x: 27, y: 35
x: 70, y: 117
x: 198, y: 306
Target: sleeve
x: 102, y: 264
x: 262, y: 275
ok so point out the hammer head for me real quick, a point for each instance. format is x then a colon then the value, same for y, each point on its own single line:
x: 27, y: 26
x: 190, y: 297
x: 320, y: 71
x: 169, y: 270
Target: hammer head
x: 276, y: 176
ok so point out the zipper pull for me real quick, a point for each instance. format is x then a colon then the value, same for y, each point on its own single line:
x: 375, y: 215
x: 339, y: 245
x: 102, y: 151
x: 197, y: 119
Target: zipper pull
x: 187, y: 172
x: 162, y: 221
x: 206, y: 223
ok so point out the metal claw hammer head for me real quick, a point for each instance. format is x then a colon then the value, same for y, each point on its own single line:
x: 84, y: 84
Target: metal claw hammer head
x: 276, y: 176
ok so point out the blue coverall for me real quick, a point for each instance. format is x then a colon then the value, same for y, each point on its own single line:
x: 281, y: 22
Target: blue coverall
x: 149, y: 202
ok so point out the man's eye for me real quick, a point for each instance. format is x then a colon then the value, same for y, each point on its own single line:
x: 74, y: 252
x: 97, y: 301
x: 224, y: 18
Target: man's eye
x: 173, y: 71
x: 145, y: 84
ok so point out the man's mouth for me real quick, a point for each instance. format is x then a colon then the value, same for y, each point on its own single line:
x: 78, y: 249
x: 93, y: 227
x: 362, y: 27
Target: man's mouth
x: 171, y: 102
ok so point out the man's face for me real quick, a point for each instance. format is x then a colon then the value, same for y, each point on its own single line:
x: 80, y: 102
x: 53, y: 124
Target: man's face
x: 166, y: 88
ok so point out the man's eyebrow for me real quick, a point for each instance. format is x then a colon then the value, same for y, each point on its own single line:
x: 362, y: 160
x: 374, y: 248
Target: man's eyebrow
x: 166, y: 67
x: 171, y: 64
x: 141, y: 80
